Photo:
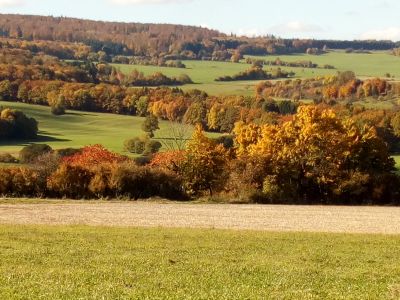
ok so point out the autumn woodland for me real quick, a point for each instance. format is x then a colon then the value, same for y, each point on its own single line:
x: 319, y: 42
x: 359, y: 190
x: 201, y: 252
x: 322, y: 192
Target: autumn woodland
x: 299, y: 139
x: 146, y: 156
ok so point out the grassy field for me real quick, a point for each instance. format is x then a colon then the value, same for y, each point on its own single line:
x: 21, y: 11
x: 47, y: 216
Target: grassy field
x: 121, y: 263
x: 77, y: 129
x: 203, y: 73
x: 376, y: 64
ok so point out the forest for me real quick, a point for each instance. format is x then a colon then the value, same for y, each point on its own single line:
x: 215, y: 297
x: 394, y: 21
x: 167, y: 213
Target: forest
x: 162, y: 40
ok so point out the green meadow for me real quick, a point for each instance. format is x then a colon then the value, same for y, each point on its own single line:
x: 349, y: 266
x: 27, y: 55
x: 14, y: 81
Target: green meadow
x: 77, y: 129
x: 204, y: 73
x: 76, y: 262
x: 375, y: 64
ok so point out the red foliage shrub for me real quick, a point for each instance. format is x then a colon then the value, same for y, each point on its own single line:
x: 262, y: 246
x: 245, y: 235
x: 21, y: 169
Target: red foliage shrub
x: 93, y: 155
x: 168, y: 160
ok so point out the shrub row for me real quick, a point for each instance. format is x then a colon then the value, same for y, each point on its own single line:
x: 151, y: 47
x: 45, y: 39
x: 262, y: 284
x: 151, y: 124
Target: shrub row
x: 78, y: 182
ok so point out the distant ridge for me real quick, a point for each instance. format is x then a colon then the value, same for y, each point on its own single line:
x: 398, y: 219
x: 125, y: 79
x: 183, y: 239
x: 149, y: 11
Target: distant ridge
x: 119, y: 38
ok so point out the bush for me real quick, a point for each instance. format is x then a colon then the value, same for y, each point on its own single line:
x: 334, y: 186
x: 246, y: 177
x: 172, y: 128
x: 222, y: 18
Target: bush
x: 7, y: 158
x: 29, y: 153
x: 114, y: 180
x: 67, y: 152
x: 93, y: 155
x: 20, y: 182
x: 135, y: 145
x: 46, y: 164
x: 70, y: 181
x: 57, y: 110
x: 184, y: 79
x: 15, y: 124
x: 144, y: 182
x: 142, y: 145
x: 152, y: 147
x: 142, y: 160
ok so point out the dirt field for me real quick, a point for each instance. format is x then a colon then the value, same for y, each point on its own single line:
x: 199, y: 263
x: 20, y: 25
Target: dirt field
x: 248, y: 217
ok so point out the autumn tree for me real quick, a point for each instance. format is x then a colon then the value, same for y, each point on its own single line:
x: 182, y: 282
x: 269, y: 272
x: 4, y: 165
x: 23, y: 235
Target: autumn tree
x: 203, y: 165
x: 142, y: 106
x: 16, y: 125
x: 58, y: 106
x: 316, y: 156
x: 150, y: 125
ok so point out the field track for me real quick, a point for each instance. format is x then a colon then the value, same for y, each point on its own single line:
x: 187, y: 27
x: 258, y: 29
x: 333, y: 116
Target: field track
x: 239, y: 217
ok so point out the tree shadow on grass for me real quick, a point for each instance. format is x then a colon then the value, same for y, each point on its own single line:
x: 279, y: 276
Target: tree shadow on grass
x: 40, y: 139
x: 79, y: 114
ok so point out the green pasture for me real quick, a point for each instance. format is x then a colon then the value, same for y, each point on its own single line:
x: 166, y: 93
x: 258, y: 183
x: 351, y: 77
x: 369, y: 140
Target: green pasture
x: 76, y: 262
x: 203, y: 73
x: 376, y: 64
x: 77, y: 129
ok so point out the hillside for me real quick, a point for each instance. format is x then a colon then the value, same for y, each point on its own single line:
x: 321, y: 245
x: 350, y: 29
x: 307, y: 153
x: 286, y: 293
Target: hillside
x: 77, y: 129
x: 160, y: 40
x: 114, y: 37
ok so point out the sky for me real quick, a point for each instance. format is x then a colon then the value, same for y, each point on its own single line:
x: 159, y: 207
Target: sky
x: 320, y: 19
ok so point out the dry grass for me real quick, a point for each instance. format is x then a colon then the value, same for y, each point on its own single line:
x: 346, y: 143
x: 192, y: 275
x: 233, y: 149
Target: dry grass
x: 337, y: 219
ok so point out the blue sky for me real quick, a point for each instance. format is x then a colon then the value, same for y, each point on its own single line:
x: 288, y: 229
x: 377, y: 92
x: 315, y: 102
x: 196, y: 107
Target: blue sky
x: 340, y: 19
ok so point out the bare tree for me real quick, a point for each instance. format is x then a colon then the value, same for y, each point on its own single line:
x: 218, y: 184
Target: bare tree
x: 178, y: 135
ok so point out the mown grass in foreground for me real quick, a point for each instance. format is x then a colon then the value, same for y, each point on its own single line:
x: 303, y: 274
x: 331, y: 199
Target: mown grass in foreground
x: 121, y: 263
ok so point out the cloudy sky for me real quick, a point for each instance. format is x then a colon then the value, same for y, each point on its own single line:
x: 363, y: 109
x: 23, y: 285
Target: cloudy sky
x: 332, y: 19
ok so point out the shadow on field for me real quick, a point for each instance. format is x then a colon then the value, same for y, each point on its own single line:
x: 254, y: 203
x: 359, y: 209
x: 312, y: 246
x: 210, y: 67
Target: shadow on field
x: 46, y: 138
x: 41, y: 138
x: 79, y: 114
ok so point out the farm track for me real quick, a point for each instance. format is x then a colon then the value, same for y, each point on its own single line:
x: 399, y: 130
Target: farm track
x: 336, y: 219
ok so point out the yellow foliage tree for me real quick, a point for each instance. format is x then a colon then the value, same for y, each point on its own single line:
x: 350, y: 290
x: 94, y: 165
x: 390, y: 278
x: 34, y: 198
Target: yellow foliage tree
x: 315, y: 152
x: 246, y: 135
x: 204, y: 163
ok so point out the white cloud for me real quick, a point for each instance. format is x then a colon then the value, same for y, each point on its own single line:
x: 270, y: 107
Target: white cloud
x: 251, y: 32
x: 351, y: 13
x: 148, y: 2
x: 390, y: 33
x: 294, y: 28
x: 385, y: 4
x: 10, y: 3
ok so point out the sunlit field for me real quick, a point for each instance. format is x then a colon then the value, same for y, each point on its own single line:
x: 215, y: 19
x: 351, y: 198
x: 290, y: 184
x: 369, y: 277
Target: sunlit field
x: 204, y: 73
x: 77, y: 129
x: 109, y: 263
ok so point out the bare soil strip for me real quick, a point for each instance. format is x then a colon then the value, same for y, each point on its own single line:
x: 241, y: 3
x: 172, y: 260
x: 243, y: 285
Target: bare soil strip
x: 338, y: 219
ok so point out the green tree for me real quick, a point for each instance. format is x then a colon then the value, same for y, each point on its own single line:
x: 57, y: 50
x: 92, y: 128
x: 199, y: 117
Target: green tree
x: 5, y: 90
x: 150, y: 125
x: 395, y: 122
x: 58, y: 107
x: 142, y: 106
x: 196, y: 113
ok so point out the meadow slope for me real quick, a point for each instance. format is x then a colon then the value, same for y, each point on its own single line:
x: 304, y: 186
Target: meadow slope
x: 77, y: 129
